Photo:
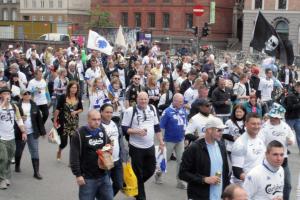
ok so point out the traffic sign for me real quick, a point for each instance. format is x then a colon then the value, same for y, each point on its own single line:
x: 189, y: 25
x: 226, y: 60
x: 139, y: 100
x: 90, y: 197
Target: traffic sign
x: 198, y: 10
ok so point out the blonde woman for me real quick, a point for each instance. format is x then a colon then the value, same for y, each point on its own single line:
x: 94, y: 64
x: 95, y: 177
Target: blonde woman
x: 153, y: 91
x: 98, y: 95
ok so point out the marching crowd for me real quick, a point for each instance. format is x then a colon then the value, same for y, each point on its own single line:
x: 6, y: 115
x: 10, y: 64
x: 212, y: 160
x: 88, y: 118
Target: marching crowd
x: 228, y: 125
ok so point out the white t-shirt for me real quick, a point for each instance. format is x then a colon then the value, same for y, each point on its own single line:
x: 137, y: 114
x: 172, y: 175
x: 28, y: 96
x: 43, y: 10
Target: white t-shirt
x: 281, y: 132
x: 38, y: 88
x: 197, y: 124
x: 186, y: 67
x: 179, y: 80
x: 26, y: 111
x: 247, y: 153
x: 97, y: 99
x: 122, y: 77
x: 112, y: 132
x: 263, y: 183
x: 92, y: 74
x: 190, y: 95
x: 232, y: 130
x: 266, y: 88
x: 141, y: 120
x: 7, y: 121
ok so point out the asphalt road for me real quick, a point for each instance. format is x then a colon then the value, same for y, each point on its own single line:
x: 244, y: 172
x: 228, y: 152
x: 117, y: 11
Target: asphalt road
x: 59, y: 184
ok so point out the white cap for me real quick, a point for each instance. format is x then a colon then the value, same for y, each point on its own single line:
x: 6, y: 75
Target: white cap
x: 10, y: 46
x: 215, y: 122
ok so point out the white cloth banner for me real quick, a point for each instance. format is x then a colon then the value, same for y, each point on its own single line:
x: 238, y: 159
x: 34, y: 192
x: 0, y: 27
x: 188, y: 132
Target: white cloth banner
x: 98, y: 42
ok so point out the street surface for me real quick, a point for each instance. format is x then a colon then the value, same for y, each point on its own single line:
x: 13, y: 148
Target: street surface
x: 59, y: 183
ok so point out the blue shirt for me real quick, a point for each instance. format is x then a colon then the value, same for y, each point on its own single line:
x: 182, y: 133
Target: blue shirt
x: 216, y: 165
x: 174, y: 122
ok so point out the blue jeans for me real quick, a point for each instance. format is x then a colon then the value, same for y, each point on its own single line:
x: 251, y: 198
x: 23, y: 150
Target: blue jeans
x: 116, y: 175
x: 33, y: 146
x: 100, y: 188
x: 295, y: 124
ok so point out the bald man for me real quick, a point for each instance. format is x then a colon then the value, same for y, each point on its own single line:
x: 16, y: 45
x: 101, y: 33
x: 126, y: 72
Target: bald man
x: 93, y: 182
x: 141, y: 123
x: 173, y: 121
x: 234, y: 192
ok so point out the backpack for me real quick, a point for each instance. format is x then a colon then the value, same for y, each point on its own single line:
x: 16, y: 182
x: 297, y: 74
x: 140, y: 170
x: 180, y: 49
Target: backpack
x: 133, y: 113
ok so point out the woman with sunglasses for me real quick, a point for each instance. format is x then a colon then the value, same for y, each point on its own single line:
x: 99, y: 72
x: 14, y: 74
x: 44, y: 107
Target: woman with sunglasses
x: 116, y: 139
x: 34, y: 127
x: 66, y: 115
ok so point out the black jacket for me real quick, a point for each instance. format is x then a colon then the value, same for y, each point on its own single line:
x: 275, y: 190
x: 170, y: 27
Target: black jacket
x: 218, y: 99
x: 195, y: 166
x: 36, y: 121
x: 83, y: 156
x: 254, y: 82
x: 186, y: 84
x: 282, y: 74
x: 292, y: 106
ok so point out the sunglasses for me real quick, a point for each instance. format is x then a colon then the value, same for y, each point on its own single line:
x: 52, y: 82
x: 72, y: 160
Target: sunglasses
x: 27, y: 93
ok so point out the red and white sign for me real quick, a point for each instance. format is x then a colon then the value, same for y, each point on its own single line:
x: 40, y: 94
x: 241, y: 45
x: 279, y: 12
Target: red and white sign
x: 198, y: 10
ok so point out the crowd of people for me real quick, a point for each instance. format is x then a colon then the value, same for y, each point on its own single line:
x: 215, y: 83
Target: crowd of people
x: 228, y: 125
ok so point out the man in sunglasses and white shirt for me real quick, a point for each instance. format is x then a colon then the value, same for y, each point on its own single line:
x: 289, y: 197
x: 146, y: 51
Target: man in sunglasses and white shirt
x: 133, y: 90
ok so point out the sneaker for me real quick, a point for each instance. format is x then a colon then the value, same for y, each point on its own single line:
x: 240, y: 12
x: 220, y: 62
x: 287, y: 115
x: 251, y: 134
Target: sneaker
x: 7, y: 182
x: 181, y: 185
x: 3, y: 185
x: 158, y: 179
x: 13, y: 161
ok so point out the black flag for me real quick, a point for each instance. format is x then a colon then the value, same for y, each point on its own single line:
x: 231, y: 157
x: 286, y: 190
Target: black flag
x: 289, y: 52
x: 266, y: 39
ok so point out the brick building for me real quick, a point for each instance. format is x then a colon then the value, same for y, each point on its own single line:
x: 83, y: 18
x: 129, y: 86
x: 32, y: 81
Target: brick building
x: 284, y: 15
x: 170, y: 19
x: 9, y: 9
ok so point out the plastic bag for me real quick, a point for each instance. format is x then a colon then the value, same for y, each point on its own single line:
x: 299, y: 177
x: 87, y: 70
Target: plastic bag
x: 161, y: 159
x: 130, y: 181
x: 53, y: 136
x: 105, y: 159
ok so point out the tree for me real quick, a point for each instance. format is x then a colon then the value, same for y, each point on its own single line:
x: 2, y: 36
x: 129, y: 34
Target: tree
x: 100, y: 19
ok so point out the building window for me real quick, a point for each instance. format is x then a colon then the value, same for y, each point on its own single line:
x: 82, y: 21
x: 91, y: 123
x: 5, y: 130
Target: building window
x: 166, y: 20
x: 25, y: 3
x: 42, y: 18
x: 282, y: 28
x: 189, y: 20
x: 14, y: 1
x: 258, y: 4
x: 26, y: 18
x: 42, y: 3
x: 282, y: 4
x: 14, y: 14
x: 137, y: 1
x: 34, y: 3
x: 33, y: 18
x: 166, y: 1
x: 189, y: 1
x: 151, y: 20
x: 60, y: 4
x: 5, y: 14
x: 152, y: 1
x: 59, y: 19
x: 51, y: 18
x: 124, y: 19
x: 51, y: 4
x: 138, y: 19
x: 4, y: 1
x: 124, y: 1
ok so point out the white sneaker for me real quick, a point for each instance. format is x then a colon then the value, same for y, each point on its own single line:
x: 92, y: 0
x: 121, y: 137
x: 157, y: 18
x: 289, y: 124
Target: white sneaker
x: 181, y: 185
x: 13, y: 161
x: 3, y: 185
x: 7, y: 182
x: 158, y: 179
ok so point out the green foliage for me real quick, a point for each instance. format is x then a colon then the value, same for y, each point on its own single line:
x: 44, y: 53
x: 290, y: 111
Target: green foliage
x: 100, y: 19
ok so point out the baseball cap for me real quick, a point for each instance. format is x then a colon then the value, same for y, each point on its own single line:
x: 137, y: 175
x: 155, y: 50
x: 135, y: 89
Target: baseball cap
x: 215, y: 122
x: 25, y: 91
x: 277, y: 111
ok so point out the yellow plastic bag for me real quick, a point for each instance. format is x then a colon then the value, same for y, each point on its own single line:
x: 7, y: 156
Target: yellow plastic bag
x: 131, y: 187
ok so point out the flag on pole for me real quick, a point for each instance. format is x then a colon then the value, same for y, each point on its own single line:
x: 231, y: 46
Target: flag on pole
x: 98, y: 42
x: 265, y: 38
x: 120, y: 40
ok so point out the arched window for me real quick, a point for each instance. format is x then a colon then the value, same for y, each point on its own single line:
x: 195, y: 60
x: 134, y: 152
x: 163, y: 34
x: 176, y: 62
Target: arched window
x: 282, y: 29
x: 5, y: 14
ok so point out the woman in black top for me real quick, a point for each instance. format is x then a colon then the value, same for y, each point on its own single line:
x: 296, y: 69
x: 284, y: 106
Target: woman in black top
x: 66, y: 118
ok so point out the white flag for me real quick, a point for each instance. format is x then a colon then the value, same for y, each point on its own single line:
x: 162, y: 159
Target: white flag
x: 98, y: 42
x: 120, y: 40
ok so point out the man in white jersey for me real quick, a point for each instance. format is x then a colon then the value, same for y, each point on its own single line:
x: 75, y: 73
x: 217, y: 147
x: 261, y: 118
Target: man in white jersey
x: 266, y: 181
x: 265, y: 89
x: 248, y: 150
x: 276, y: 129
x: 39, y: 90
x: 9, y: 115
x: 141, y: 124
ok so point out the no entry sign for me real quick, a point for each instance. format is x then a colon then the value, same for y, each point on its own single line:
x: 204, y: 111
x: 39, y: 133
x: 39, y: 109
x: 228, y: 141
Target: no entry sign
x: 198, y: 10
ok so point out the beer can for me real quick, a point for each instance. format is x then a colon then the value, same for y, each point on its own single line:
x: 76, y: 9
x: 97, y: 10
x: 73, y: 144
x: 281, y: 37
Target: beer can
x: 218, y: 174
